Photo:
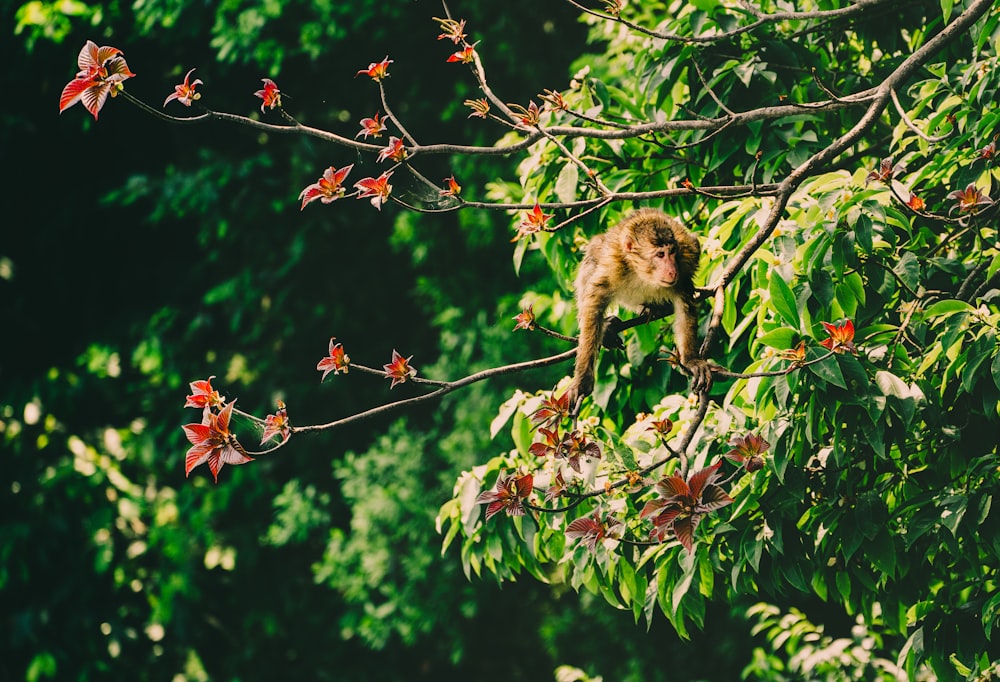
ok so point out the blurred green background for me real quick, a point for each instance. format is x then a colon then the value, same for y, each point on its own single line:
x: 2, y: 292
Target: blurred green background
x: 136, y: 256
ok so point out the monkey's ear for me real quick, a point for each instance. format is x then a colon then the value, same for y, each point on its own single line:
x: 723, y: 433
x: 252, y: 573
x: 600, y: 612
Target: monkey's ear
x: 628, y: 244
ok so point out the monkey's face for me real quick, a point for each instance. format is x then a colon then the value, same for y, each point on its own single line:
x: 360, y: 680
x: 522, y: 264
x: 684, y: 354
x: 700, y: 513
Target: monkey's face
x: 659, y: 263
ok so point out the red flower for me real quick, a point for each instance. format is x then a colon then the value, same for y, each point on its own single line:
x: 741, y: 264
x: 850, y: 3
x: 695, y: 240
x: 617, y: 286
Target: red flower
x: 203, y: 395
x: 525, y: 319
x: 841, y: 337
x: 277, y: 424
x: 376, y: 70
x: 988, y: 152
x: 374, y: 126
x: 184, y: 93
x: 377, y: 189
x: 270, y: 94
x: 399, y: 369
x: 336, y: 362
x: 592, y: 529
x: 970, y: 199
x: 507, y: 494
x: 328, y: 188
x: 534, y: 220
x: 102, y: 70
x: 748, y: 451
x: 480, y: 107
x: 212, y: 442
x: 453, y: 30
x: 466, y: 55
x: 682, y: 504
x: 395, y: 150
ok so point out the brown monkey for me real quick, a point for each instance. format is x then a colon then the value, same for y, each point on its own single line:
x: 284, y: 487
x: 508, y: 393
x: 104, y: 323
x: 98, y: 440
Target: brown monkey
x: 642, y: 263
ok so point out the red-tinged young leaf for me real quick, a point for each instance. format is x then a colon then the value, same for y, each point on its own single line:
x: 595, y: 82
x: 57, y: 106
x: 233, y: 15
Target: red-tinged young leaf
x: 336, y: 362
x: 552, y: 411
x: 399, y: 369
x: 841, y: 337
x: 662, y: 427
x: 701, y: 478
x: 452, y: 188
x: 682, y: 504
x: 376, y: 70
x: 613, y: 7
x: 507, y: 495
x: 374, y: 126
x: 712, y: 498
x: 915, y: 203
x: 591, y: 529
x: 270, y: 94
x: 102, y: 71
x: 557, y: 488
x: 797, y: 355
x: 451, y: 30
x: 575, y: 446
x: 969, y: 200
x: 653, y: 507
x: 395, y: 150
x: 184, y: 93
x: 533, y: 221
x: 886, y: 171
x: 988, y: 152
x: 212, y: 442
x: 549, y: 446
x: 466, y: 55
x: 554, y: 100
x: 684, y: 530
x: 531, y: 116
x: 525, y: 319
x: 480, y: 107
x: 203, y: 395
x: 277, y: 424
x: 328, y: 188
x: 672, y: 486
x: 375, y: 189
x: 748, y: 451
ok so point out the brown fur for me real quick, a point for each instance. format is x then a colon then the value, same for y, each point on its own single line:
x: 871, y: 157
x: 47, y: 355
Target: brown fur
x: 644, y: 262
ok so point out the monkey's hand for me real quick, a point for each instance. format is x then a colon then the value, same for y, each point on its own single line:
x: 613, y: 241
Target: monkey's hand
x: 610, y: 338
x: 701, y: 374
x: 579, y: 389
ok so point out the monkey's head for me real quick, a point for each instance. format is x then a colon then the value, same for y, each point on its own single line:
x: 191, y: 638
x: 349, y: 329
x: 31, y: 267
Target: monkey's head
x: 653, y: 251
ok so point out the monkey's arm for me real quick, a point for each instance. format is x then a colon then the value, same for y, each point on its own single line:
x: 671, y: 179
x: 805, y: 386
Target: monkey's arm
x: 594, y: 301
x: 686, y: 337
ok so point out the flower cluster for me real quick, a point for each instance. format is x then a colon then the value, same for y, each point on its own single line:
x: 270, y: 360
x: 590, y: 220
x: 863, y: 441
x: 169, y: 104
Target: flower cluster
x: 212, y: 441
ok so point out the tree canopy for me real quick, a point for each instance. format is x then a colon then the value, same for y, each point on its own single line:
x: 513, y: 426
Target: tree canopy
x: 831, y: 492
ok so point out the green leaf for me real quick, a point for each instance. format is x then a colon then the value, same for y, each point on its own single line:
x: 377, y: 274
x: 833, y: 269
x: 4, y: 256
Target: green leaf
x: 947, y: 308
x: 566, y: 182
x: 829, y: 371
x: 783, y: 300
x: 781, y: 338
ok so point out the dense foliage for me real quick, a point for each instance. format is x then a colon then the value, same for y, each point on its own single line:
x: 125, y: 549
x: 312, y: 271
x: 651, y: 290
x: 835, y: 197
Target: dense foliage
x: 835, y: 485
